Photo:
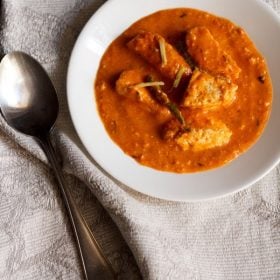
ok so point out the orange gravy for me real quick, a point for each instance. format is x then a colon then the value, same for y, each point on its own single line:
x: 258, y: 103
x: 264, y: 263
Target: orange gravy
x: 138, y: 131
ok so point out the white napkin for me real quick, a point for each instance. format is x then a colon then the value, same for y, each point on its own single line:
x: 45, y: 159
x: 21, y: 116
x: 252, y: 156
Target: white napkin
x: 236, y: 237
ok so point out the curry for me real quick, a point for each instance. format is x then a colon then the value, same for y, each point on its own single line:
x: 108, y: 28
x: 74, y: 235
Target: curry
x: 182, y: 90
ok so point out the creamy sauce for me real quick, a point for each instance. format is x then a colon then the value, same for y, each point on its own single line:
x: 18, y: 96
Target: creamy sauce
x: 137, y: 130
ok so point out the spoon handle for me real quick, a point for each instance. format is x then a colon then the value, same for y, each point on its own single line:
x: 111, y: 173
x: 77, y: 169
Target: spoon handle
x: 94, y: 263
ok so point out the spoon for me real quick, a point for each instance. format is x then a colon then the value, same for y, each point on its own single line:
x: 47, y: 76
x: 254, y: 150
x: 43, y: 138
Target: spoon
x: 29, y: 104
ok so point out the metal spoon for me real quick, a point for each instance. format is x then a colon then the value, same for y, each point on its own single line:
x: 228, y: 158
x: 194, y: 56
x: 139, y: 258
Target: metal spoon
x: 29, y: 104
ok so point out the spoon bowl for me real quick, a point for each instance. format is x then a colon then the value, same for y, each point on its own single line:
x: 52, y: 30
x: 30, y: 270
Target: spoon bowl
x: 28, y: 98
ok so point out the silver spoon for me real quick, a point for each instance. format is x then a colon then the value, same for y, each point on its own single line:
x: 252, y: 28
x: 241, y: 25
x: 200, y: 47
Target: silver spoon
x: 29, y: 104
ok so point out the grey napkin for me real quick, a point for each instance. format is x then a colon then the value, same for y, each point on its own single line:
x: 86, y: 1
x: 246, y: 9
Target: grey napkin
x: 235, y: 237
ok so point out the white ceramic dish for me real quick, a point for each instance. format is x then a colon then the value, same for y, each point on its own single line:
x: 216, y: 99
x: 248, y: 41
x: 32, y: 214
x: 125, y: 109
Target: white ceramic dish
x: 263, y: 26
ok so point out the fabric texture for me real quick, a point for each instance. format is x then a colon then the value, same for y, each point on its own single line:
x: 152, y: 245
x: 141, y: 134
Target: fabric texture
x: 235, y: 237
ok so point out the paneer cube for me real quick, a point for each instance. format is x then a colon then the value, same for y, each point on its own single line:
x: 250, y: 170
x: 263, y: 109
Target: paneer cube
x: 208, y: 92
x: 208, y: 54
x: 201, y: 134
x: 199, y: 139
x: 147, y: 45
x: 126, y: 86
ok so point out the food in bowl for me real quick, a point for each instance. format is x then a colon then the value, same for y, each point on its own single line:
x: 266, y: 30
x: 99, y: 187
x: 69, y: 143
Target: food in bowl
x: 182, y: 90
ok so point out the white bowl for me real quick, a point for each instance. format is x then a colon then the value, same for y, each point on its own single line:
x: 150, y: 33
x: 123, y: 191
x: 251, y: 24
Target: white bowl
x: 263, y: 26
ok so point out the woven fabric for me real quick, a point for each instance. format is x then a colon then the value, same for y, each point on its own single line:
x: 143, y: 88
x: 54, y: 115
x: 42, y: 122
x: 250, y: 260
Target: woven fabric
x: 235, y: 237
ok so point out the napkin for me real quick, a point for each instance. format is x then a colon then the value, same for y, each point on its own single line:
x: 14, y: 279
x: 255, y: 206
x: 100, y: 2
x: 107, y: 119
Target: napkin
x: 235, y: 237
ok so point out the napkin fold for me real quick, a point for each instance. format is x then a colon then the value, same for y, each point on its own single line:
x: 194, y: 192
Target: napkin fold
x: 235, y: 237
